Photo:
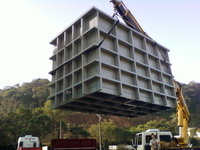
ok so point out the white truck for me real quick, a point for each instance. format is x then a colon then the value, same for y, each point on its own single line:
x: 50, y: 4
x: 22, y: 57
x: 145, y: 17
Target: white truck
x: 142, y: 139
x: 28, y: 142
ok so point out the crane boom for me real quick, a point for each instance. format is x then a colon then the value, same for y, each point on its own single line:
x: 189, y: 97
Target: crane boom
x: 127, y: 16
x: 183, y: 116
x: 182, y: 109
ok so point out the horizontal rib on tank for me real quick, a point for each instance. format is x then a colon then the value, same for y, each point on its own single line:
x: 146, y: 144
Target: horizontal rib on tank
x: 128, y: 75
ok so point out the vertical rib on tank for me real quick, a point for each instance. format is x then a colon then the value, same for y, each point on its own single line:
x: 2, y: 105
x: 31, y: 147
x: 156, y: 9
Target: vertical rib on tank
x: 127, y: 75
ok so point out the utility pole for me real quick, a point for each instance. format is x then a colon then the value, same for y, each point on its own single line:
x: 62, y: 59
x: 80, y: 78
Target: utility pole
x: 60, y: 129
x: 100, y: 148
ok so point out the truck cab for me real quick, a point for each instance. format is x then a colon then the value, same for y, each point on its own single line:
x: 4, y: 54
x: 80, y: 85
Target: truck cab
x: 142, y: 139
x: 28, y: 141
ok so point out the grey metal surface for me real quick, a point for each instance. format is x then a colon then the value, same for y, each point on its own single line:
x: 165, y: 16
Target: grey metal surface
x: 128, y: 75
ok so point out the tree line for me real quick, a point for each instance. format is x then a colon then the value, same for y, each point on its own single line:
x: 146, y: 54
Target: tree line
x: 25, y: 110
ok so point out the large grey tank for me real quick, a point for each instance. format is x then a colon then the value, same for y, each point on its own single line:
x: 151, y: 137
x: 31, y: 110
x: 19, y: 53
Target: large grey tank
x: 127, y: 75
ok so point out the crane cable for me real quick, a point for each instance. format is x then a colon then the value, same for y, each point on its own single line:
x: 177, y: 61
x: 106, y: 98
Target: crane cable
x: 107, y: 34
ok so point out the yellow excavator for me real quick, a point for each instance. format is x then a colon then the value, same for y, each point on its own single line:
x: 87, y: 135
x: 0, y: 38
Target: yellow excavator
x: 177, y: 142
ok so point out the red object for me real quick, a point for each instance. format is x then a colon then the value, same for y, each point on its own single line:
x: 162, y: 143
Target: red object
x: 74, y: 144
x: 32, y: 148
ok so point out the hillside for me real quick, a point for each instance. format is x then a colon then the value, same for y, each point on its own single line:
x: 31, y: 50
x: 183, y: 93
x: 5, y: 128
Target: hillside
x: 34, y: 94
x: 26, y: 110
x: 79, y: 118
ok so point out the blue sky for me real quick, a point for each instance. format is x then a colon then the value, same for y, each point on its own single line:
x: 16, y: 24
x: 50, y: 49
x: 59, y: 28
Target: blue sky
x: 27, y: 27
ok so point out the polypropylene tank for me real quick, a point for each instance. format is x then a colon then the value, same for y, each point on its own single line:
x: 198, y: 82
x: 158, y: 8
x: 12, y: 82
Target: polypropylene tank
x: 127, y: 75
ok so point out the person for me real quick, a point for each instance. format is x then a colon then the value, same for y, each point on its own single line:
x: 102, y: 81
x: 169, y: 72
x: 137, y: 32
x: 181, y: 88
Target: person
x: 154, y: 143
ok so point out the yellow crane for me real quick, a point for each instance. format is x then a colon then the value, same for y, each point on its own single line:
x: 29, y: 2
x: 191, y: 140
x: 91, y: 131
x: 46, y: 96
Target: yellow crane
x: 183, y: 117
x: 127, y: 16
x: 182, y: 140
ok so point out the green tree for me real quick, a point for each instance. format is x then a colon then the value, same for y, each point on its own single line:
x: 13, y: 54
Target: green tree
x: 5, y: 136
x: 35, y: 93
x: 29, y: 95
x: 191, y: 93
x: 192, y: 96
x: 23, y: 122
x: 13, y: 126
x: 8, y: 101
x: 78, y: 132
x: 161, y: 124
x: 56, y: 117
x: 111, y: 133
x: 193, y: 133
x: 39, y: 125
